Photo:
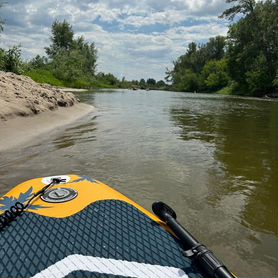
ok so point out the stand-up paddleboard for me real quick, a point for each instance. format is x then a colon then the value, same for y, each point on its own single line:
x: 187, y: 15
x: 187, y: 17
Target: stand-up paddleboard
x: 75, y: 226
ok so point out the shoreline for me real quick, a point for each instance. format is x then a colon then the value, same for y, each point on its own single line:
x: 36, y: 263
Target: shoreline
x: 72, y: 90
x: 20, y: 130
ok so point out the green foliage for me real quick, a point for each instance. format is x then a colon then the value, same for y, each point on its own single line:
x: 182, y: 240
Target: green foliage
x: 188, y: 81
x: 253, y: 49
x: 44, y: 76
x: 228, y: 90
x: 187, y: 72
x: 38, y: 62
x: 142, y: 84
x: 215, y: 74
x: 108, y: 79
x: 257, y: 78
x: 68, y: 65
x: 10, y: 60
x: 62, y: 38
x: 88, y: 51
x: 247, y: 58
x: 151, y: 82
x: 241, y: 6
x: 73, y: 61
x: 2, y: 55
x: 161, y: 84
x: 275, y: 81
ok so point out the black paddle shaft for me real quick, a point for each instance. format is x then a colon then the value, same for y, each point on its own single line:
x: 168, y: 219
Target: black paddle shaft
x: 204, y: 258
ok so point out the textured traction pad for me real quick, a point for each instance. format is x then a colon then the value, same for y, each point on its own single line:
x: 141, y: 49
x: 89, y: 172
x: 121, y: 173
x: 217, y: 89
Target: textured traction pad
x: 107, y: 229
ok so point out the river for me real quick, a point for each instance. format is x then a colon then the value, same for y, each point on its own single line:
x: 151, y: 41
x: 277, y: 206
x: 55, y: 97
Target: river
x: 213, y: 158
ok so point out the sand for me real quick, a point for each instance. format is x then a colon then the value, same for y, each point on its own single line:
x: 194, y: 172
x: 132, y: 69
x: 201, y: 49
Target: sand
x: 21, y: 96
x: 29, y: 110
x: 73, y: 90
x: 21, y: 131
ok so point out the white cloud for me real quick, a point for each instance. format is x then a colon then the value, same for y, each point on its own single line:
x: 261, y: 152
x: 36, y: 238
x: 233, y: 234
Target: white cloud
x: 136, y: 39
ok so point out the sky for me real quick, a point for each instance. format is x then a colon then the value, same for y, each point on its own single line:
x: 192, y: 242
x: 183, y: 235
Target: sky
x: 134, y: 39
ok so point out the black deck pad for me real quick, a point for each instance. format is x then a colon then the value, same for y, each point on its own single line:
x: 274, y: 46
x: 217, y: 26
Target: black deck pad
x: 107, y: 229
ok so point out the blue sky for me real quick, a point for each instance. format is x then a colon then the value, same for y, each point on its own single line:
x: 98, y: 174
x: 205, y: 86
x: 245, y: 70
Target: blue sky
x: 135, y: 39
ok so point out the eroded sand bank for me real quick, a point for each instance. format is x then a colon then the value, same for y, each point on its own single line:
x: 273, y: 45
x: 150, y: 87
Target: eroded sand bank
x: 29, y: 109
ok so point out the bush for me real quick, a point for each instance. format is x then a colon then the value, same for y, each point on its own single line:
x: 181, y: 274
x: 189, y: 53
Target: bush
x: 12, y: 60
x: 44, y: 76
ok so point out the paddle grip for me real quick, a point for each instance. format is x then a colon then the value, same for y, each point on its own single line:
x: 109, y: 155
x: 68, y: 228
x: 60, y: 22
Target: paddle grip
x: 203, y: 257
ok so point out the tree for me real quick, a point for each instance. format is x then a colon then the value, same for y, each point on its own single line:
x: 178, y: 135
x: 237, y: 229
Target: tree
x: 38, y: 62
x: 215, y: 74
x: 71, y: 59
x: 12, y: 60
x: 241, y: 6
x: 275, y: 81
x: 69, y: 65
x: 160, y: 84
x: 142, y: 83
x: 253, y: 49
x: 151, y: 82
x: 2, y: 57
x: 215, y: 48
x: 186, y: 74
x: 89, y: 51
x: 62, y: 38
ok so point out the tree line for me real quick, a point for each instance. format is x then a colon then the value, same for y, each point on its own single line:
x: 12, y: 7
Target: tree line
x: 70, y: 62
x: 244, y: 62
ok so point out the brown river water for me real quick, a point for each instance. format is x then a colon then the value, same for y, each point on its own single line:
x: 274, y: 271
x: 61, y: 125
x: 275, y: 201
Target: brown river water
x: 214, y: 159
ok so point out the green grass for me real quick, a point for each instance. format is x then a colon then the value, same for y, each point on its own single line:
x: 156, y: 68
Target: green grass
x: 228, y: 90
x: 44, y: 76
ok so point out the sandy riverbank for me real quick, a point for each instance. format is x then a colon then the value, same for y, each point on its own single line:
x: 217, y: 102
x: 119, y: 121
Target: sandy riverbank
x: 73, y: 90
x: 29, y: 109
x: 21, y: 96
x: 21, y: 130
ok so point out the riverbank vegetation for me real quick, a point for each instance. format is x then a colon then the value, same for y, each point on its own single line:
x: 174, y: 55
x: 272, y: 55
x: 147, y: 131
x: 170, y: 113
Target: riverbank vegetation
x: 245, y: 62
x: 69, y: 62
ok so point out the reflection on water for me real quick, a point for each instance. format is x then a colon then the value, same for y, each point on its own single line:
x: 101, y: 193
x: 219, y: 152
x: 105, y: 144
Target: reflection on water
x: 245, y: 139
x: 78, y: 134
x: 213, y: 158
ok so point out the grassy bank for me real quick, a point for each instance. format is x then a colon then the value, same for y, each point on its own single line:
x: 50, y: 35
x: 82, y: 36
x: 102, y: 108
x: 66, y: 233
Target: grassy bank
x: 46, y: 76
x: 228, y: 90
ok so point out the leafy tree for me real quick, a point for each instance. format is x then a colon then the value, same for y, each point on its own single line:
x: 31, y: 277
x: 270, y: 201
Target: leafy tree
x: 186, y: 74
x: 2, y: 56
x: 108, y: 79
x: 12, y: 60
x: 241, y: 6
x: 142, y: 83
x: 69, y: 65
x: 151, y: 82
x: 215, y: 74
x: 247, y: 58
x: 38, y: 62
x: 253, y: 49
x: 88, y: 51
x: 160, y: 84
x: 111, y: 79
x: 275, y: 81
x: 215, y: 48
x: 71, y: 59
x: 62, y: 38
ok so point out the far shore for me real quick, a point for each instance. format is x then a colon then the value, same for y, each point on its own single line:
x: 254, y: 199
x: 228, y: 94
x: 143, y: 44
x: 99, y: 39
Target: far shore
x: 20, y: 131
x: 73, y: 90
